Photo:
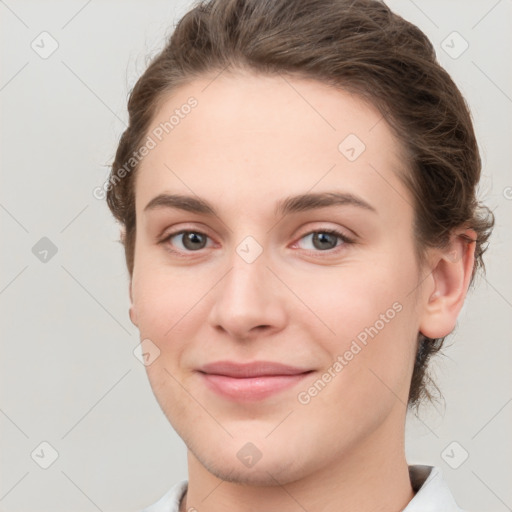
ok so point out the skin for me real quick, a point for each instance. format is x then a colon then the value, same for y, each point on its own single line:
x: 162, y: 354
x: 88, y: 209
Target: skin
x: 250, y: 142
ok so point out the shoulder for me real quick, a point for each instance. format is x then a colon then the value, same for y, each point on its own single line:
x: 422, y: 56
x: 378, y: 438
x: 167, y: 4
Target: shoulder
x: 170, y: 501
x: 432, y: 491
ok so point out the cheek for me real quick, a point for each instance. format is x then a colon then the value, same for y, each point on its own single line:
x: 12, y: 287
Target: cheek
x: 163, y: 298
x: 353, y: 298
x: 165, y: 307
x: 372, y: 316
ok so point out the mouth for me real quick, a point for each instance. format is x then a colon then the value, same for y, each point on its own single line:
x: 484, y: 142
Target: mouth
x: 250, y: 381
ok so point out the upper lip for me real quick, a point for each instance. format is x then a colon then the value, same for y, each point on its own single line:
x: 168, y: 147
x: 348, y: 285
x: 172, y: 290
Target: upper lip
x: 252, y: 369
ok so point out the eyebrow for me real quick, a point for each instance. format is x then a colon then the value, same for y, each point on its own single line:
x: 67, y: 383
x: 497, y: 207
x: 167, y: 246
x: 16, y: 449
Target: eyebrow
x: 291, y: 204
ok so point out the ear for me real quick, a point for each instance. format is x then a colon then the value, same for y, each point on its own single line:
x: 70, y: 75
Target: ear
x: 132, y: 312
x: 449, y: 280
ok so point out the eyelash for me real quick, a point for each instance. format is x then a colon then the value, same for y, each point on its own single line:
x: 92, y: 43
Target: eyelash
x: 344, y: 239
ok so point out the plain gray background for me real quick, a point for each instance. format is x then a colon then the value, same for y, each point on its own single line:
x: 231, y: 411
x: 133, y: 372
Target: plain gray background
x: 68, y: 372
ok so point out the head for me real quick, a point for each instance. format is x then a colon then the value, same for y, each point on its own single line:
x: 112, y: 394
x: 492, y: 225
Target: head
x: 252, y: 102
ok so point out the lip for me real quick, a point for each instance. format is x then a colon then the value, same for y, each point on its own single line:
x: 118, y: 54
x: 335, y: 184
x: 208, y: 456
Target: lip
x: 252, y: 369
x: 250, y: 381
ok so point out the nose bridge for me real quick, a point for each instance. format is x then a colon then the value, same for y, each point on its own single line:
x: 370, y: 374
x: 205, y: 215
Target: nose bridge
x: 248, y: 262
x: 247, y: 296
x: 247, y: 284
x: 251, y: 266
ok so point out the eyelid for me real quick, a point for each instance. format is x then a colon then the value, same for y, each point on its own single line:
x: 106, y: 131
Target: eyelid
x: 335, y: 231
x: 184, y: 228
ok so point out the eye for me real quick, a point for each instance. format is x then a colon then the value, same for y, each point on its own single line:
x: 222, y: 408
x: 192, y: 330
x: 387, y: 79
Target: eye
x: 193, y: 241
x: 189, y: 241
x: 325, y: 240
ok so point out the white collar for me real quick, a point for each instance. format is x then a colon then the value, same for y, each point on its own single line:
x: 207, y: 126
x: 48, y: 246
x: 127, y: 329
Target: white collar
x: 432, y: 492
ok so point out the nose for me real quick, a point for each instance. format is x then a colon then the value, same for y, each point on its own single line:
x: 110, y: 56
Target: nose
x: 248, y: 300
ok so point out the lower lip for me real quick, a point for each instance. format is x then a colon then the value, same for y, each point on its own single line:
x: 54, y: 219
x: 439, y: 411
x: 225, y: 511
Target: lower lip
x: 251, y: 388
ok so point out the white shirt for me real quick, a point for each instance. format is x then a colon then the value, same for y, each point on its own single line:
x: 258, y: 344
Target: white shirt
x: 432, y: 493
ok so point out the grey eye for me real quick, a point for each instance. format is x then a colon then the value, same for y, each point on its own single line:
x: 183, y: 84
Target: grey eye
x: 322, y: 240
x: 191, y: 240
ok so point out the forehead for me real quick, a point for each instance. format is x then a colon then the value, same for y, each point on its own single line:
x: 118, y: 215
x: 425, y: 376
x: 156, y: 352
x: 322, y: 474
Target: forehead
x: 242, y: 136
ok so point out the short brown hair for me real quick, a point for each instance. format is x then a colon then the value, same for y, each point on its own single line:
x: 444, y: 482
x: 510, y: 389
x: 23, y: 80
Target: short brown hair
x: 355, y: 45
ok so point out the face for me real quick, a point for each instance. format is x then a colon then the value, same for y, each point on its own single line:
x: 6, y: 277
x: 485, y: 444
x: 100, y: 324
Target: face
x: 296, y: 246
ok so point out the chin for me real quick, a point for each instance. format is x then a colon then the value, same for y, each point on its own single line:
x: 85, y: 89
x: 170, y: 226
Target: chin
x: 266, y: 472
x: 262, y: 474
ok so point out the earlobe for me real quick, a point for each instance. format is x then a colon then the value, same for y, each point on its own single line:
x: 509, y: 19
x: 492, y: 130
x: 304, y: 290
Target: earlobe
x: 133, y: 316
x: 450, y: 277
